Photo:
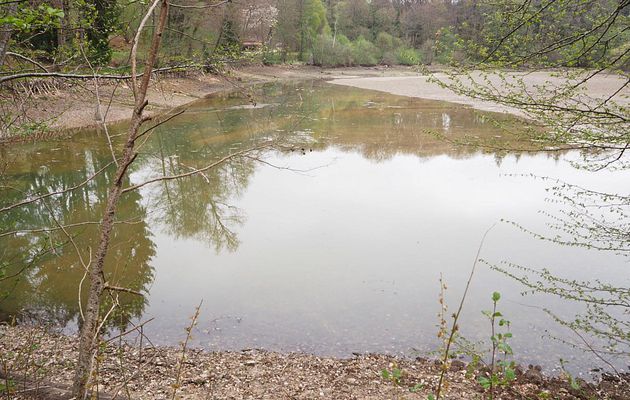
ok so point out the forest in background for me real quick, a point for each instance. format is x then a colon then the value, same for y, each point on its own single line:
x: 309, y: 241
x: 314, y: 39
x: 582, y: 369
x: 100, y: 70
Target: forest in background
x: 69, y: 34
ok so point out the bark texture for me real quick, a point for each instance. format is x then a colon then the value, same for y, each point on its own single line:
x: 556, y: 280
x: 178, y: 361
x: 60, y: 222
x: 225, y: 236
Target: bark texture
x: 88, y: 340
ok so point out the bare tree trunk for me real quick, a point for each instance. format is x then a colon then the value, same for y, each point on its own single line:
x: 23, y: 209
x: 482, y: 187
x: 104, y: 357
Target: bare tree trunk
x: 5, y: 32
x: 88, y: 340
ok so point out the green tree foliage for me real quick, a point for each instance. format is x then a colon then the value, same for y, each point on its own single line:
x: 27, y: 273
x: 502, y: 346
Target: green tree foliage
x: 329, y: 52
x: 312, y: 23
x: 570, y: 33
x: 388, y: 46
x: 29, y: 19
x: 408, y: 56
x: 229, y: 44
x: 104, y: 17
x: 61, y: 30
x: 353, y: 18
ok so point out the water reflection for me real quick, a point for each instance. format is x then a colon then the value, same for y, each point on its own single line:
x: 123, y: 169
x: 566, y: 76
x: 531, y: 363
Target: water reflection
x: 376, y: 124
x: 200, y: 208
x: 45, y: 262
x: 344, y: 256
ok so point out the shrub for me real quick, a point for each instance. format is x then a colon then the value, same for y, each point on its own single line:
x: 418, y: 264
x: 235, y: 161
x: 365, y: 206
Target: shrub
x: 389, y: 58
x: 448, y: 47
x: 272, y: 57
x: 364, y: 52
x: 408, y: 56
x: 387, y: 43
x: 329, y: 53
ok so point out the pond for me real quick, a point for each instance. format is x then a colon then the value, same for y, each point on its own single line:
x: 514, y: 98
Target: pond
x: 333, y: 242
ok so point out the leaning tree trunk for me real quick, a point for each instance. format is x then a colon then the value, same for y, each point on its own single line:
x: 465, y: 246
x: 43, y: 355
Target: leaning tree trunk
x: 5, y: 31
x: 88, y: 340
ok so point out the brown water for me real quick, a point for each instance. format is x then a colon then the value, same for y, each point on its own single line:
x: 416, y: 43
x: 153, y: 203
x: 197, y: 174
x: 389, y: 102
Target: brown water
x: 333, y: 247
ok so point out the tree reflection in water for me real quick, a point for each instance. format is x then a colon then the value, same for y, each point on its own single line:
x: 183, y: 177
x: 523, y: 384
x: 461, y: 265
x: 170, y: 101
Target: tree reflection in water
x: 46, y: 266
x: 306, y: 115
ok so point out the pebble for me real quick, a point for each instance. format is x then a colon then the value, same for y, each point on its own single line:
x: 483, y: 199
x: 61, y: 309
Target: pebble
x: 457, y: 365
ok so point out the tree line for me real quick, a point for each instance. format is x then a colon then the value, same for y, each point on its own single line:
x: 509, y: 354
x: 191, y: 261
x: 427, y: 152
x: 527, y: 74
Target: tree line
x: 63, y: 33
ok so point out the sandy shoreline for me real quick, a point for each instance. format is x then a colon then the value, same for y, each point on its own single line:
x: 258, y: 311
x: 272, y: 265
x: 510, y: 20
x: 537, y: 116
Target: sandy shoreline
x: 599, y: 87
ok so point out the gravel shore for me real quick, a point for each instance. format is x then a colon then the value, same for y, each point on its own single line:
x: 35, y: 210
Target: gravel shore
x: 40, y: 362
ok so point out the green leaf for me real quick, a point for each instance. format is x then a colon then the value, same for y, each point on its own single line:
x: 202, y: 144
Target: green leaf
x: 496, y: 296
x: 574, y: 384
x: 416, y: 387
x: 510, y: 374
x: 484, y: 382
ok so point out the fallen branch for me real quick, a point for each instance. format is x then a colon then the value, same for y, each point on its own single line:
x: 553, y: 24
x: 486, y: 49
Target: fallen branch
x: 90, y: 76
x: 24, y: 58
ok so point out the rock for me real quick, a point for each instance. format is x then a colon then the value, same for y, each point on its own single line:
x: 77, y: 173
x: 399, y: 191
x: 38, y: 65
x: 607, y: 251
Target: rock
x: 250, y: 363
x: 197, y: 380
x: 533, y: 375
x: 351, y: 381
x: 607, y: 386
x: 457, y: 365
x: 610, y: 377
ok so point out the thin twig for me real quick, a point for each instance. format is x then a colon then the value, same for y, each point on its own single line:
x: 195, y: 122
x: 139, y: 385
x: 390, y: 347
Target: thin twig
x: 455, y: 327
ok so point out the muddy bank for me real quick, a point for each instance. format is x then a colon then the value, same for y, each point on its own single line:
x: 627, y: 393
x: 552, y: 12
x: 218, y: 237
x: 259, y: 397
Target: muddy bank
x: 74, y: 105
x: 600, y: 86
x: 58, y: 105
x: 46, y: 360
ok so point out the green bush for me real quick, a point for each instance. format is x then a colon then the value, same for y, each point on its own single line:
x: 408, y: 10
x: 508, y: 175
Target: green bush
x: 389, y: 58
x: 341, y: 52
x: 364, y: 52
x: 332, y: 53
x: 448, y: 47
x: 408, y: 56
x: 272, y: 57
x: 387, y: 43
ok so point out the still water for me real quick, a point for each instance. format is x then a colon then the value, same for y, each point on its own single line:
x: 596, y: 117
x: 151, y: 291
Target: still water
x: 332, y: 243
